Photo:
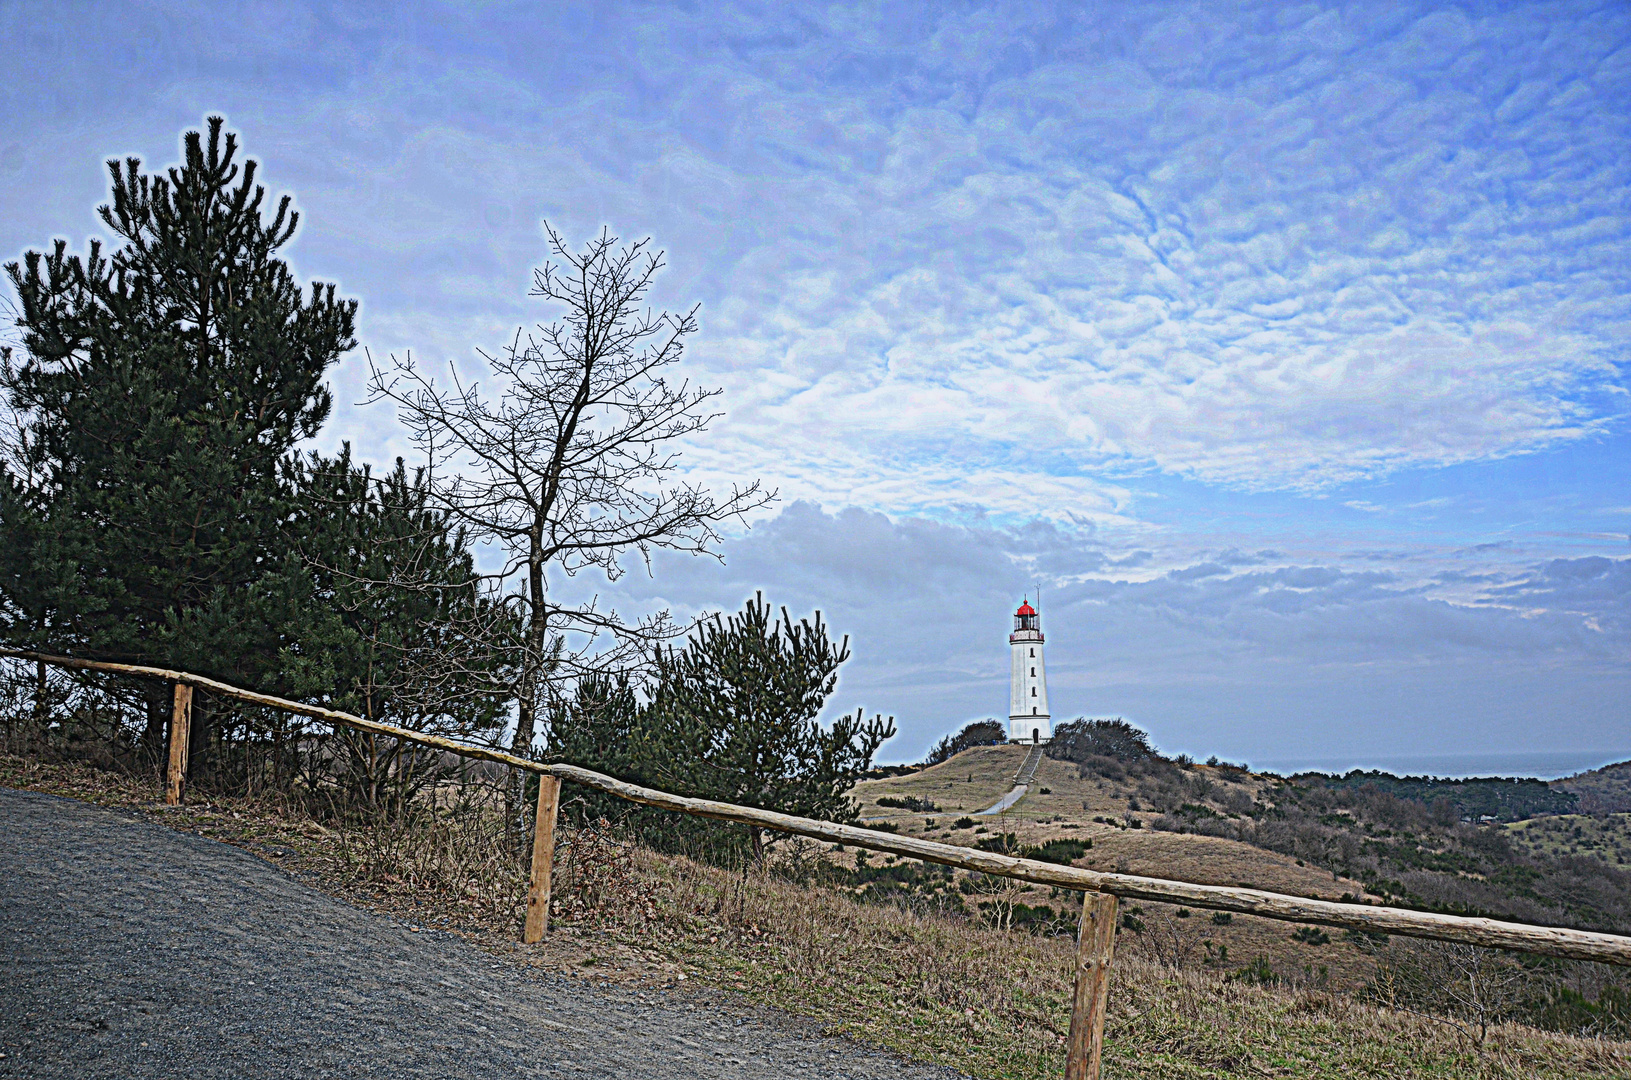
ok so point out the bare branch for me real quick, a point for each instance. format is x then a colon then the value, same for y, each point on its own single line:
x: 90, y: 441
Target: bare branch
x: 572, y: 464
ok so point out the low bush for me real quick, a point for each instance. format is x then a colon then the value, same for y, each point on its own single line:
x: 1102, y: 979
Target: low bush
x: 979, y: 733
x: 908, y: 802
x: 1082, y: 739
x: 1063, y: 851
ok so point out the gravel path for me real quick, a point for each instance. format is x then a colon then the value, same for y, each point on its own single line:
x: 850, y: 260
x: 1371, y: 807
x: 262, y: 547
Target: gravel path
x: 1005, y: 802
x: 1022, y: 783
x: 131, y: 950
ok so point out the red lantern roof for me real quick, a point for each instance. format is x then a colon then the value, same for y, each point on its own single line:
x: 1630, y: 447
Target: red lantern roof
x: 1025, y: 609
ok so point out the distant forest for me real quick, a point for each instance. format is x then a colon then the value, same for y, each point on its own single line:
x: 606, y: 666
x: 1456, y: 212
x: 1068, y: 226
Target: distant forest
x: 1498, y: 798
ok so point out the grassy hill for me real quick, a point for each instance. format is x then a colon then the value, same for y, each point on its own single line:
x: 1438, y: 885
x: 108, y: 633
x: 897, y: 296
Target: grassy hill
x: 1601, y: 791
x: 1109, y: 815
x: 1400, y: 840
x: 1606, y: 837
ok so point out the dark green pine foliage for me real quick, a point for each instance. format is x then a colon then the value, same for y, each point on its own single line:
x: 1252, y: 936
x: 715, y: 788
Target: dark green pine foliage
x: 731, y: 717
x: 400, y: 629
x: 1082, y: 739
x: 160, y: 391
x: 979, y: 733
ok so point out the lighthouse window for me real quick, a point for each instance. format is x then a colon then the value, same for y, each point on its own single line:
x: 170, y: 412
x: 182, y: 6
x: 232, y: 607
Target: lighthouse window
x: 1033, y: 710
x: 1033, y: 691
x: 1033, y: 673
x: 1033, y: 652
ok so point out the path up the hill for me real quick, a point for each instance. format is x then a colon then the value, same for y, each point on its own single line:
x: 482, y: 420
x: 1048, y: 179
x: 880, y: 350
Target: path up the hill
x: 134, y: 951
x: 1027, y: 771
x: 1022, y: 782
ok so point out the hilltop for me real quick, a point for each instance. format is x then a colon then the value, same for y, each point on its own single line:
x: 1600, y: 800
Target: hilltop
x: 1115, y: 825
x: 1491, y: 847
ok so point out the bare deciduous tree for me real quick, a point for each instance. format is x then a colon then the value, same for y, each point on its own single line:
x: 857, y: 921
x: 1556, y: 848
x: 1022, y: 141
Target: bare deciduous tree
x: 573, y: 463
x: 1473, y: 988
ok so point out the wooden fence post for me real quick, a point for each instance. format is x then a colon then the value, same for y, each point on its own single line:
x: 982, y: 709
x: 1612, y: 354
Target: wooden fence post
x: 181, y: 722
x: 1094, y: 947
x: 543, y: 859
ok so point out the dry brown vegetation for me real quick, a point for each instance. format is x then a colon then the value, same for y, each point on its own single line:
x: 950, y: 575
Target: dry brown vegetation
x: 1075, y: 808
x: 937, y: 988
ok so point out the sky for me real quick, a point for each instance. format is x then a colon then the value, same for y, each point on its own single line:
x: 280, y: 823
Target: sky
x: 1282, y: 346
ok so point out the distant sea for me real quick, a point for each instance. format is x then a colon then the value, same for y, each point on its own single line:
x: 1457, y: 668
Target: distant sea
x: 1542, y: 764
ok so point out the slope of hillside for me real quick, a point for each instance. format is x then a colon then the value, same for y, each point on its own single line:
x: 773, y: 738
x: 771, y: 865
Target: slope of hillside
x: 1601, y: 791
x: 961, y: 995
x: 1110, y: 818
x: 1600, y: 836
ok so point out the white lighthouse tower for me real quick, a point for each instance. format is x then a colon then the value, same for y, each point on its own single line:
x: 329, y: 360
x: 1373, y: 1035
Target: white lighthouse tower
x: 1028, y: 719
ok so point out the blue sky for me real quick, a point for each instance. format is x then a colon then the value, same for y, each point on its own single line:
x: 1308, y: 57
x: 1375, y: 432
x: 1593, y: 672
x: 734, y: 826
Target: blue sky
x: 1284, y: 345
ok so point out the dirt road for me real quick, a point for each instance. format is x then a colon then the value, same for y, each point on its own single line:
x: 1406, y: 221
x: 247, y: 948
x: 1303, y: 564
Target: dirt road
x: 130, y: 950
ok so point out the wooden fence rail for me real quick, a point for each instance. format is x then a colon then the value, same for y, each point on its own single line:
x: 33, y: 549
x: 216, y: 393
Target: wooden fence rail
x: 1096, y: 939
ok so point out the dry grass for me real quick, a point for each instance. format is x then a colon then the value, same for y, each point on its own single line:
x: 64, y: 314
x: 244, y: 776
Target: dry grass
x: 936, y: 988
x: 994, y: 1004
x: 1069, y: 809
x: 972, y: 781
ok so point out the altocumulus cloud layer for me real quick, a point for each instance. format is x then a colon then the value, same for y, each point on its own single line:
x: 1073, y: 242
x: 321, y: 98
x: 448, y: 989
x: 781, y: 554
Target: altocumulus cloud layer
x: 1283, y: 344
x: 1239, y: 653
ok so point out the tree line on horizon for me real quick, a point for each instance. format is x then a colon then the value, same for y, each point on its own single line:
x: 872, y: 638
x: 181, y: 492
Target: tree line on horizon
x: 158, y: 506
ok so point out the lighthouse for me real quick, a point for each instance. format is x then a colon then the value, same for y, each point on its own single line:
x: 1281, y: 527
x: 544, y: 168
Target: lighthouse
x: 1028, y: 719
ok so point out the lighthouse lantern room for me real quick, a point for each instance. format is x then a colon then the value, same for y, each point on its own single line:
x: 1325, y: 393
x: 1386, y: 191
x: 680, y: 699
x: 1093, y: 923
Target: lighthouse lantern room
x: 1028, y: 719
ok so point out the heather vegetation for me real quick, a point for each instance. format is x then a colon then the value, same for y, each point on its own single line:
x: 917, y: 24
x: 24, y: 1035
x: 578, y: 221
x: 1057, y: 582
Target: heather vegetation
x: 1405, y: 850
x: 1495, y: 798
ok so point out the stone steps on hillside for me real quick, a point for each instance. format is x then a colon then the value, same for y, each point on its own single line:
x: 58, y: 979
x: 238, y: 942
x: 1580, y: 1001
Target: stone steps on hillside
x: 1027, y: 771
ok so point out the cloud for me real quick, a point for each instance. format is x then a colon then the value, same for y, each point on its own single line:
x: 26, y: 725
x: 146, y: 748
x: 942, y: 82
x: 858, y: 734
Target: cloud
x: 1258, y: 657
x: 980, y: 258
x: 1319, y: 269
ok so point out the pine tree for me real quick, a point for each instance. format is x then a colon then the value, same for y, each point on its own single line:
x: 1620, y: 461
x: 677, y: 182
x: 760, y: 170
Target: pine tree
x: 401, y: 630
x: 730, y: 717
x: 159, y: 393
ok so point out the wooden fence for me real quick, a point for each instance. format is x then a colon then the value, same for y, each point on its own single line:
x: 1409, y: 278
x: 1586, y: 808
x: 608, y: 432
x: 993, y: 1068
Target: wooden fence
x: 1095, y: 941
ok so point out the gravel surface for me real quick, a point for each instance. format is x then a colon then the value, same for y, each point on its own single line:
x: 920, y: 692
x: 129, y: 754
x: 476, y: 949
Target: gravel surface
x: 132, y: 950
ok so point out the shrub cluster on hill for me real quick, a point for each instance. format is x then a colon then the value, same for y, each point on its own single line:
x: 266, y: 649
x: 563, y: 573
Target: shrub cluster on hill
x: 908, y: 802
x: 1082, y: 739
x: 1601, y: 791
x: 1061, y: 850
x: 979, y: 733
